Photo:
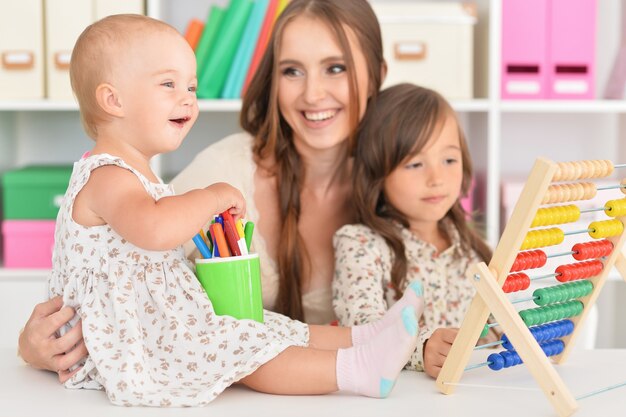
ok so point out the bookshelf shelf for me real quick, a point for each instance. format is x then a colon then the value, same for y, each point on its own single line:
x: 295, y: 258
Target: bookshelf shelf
x: 33, y: 275
x: 479, y: 105
x: 563, y: 106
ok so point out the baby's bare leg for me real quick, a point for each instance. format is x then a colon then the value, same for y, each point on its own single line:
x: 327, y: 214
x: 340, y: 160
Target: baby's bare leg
x: 330, y: 337
x: 367, y: 369
x: 296, y: 371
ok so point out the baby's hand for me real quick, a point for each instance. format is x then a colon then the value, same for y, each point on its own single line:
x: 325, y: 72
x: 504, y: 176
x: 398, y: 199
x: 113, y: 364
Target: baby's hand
x: 228, y: 198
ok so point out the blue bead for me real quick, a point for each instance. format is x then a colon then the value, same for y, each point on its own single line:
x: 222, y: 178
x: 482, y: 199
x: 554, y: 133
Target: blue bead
x: 496, y: 362
x: 506, y: 342
x: 509, y: 358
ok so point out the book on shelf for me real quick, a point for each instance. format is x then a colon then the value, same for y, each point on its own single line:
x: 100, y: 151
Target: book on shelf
x: 241, y: 63
x: 193, y: 32
x: 207, y: 39
x: 261, y: 44
x: 214, y: 72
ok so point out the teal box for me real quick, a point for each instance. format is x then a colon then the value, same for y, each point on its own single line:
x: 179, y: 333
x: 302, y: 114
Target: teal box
x: 34, y: 192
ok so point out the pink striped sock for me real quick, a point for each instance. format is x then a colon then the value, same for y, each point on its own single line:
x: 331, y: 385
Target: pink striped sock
x: 371, y: 369
x: 412, y: 297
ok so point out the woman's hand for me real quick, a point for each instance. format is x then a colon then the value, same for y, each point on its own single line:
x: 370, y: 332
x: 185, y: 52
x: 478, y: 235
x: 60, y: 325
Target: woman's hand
x: 436, y: 350
x: 39, y: 346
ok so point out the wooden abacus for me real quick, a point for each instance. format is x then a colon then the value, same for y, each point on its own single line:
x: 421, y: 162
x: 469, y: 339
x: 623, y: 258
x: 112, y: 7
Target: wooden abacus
x: 564, y: 307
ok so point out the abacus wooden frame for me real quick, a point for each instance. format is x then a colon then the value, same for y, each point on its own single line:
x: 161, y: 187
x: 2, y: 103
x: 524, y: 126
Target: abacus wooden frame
x: 491, y: 299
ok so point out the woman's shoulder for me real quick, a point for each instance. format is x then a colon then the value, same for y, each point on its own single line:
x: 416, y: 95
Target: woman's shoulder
x: 228, y: 160
x: 237, y: 144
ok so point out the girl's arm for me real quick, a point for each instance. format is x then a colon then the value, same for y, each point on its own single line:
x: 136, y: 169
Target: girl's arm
x: 361, y: 271
x: 116, y: 197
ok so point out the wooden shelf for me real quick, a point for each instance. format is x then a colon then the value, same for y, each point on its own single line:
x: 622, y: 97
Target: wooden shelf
x: 477, y: 105
x: 563, y: 106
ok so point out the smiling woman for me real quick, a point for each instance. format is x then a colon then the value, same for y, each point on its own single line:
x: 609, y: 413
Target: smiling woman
x: 300, y: 114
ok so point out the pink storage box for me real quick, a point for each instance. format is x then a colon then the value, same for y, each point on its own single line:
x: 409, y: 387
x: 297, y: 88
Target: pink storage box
x: 548, y: 49
x: 524, y: 49
x: 28, y: 243
x: 572, y: 37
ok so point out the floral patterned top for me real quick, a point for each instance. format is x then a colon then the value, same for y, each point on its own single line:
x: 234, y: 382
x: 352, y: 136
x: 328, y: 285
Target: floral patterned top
x: 362, y: 290
x: 150, y: 329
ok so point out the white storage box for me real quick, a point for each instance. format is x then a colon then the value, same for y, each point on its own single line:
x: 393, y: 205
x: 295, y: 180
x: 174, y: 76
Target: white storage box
x: 61, y: 34
x: 21, y: 50
x: 429, y: 44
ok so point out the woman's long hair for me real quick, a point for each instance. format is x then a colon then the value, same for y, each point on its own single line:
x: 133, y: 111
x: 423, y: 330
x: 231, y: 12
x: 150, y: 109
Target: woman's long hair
x: 273, y: 137
x: 396, y: 127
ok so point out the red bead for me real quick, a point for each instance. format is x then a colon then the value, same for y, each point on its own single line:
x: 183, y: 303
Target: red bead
x: 590, y: 250
x: 581, y: 270
x: 516, y: 282
x: 529, y: 260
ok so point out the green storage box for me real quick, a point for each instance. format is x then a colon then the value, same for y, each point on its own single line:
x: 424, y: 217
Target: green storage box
x: 34, y: 192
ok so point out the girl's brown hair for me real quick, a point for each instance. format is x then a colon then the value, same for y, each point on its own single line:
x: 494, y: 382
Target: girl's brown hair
x: 260, y: 116
x: 395, y: 127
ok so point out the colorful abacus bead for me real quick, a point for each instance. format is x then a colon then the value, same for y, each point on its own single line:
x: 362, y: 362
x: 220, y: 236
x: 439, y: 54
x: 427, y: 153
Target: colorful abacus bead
x: 564, y: 292
x: 485, y: 331
x: 576, y: 170
x: 615, y: 208
x: 556, y: 215
x: 542, y: 238
x: 605, y: 228
x: 592, y: 250
x: 529, y: 260
x: 516, y: 282
x: 553, y: 312
x: 579, y: 270
x: 559, y: 193
x: 545, y: 332
x: 506, y: 359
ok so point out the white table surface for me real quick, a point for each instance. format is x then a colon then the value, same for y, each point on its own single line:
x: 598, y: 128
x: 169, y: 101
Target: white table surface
x: 510, y: 392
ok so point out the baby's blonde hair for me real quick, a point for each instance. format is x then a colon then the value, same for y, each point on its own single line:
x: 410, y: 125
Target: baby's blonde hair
x: 94, y: 60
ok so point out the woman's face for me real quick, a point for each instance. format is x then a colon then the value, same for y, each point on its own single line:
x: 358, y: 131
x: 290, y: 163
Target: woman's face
x: 313, y: 86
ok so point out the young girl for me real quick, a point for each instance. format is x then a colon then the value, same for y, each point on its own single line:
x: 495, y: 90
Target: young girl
x: 150, y: 330
x: 410, y: 168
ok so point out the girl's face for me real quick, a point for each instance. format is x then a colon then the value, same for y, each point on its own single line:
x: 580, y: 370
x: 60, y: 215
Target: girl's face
x: 313, y: 86
x: 424, y: 187
x: 159, y: 93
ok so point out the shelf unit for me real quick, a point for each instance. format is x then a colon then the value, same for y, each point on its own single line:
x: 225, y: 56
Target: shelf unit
x: 504, y: 136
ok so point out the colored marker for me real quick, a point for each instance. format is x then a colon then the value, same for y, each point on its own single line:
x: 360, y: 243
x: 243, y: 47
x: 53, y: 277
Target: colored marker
x: 220, y: 240
x: 202, y: 247
x: 243, y: 247
x: 239, y: 225
x: 207, y: 239
x: 216, y: 251
x: 231, y: 238
x: 248, y: 230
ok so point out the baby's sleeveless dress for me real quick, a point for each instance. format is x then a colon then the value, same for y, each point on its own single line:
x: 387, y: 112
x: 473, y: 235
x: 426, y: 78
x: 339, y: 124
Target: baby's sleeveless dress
x: 151, y: 332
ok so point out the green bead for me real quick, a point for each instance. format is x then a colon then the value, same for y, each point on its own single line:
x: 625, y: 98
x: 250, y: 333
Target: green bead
x: 485, y: 331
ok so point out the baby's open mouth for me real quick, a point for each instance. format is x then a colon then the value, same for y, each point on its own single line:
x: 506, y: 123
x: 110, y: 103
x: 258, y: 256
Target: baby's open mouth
x: 180, y: 121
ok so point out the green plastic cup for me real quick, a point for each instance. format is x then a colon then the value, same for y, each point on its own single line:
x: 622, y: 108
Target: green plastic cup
x: 233, y: 285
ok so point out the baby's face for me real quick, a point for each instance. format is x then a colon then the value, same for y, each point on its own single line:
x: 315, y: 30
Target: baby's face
x: 158, y: 91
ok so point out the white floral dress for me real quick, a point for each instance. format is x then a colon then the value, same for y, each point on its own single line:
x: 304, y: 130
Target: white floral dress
x: 151, y: 332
